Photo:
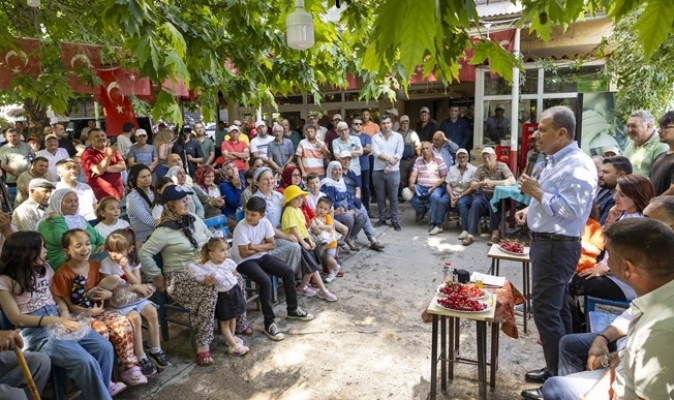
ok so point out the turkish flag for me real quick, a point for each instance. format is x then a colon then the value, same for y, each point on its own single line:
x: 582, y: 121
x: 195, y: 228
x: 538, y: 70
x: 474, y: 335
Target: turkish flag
x: 79, y: 56
x: 131, y: 83
x: 116, y: 106
x: 179, y: 87
x: 22, y: 60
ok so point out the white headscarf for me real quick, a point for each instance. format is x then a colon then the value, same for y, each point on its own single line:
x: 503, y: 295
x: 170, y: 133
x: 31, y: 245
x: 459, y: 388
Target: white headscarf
x: 73, y: 221
x: 328, y: 181
x: 173, y: 174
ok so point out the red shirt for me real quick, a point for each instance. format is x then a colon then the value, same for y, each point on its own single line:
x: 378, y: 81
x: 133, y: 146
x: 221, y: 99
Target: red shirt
x: 239, y: 147
x: 108, y: 184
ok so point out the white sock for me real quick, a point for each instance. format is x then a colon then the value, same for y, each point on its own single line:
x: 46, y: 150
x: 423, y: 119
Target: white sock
x: 155, y: 350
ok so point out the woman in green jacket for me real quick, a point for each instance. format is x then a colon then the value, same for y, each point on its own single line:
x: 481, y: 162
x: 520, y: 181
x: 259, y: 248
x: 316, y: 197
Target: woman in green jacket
x: 60, y: 217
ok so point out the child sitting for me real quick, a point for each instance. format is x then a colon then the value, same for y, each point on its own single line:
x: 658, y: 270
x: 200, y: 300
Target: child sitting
x: 157, y: 207
x: 218, y: 270
x: 253, y: 238
x: 123, y: 260
x: 314, y: 185
x: 323, y: 226
x: 76, y: 283
x: 107, y: 214
x: 293, y: 223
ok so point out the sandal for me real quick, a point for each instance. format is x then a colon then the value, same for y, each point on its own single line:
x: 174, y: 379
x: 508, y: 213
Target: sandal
x: 353, y: 246
x: 493, y: 240
x: 377, y: 246
x: 468, y: 241
x: 247, y: 331
x: 204, y: 359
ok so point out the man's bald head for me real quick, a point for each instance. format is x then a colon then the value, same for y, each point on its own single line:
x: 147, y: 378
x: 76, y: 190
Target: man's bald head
x: 662, y: 209
x: 173, y: 160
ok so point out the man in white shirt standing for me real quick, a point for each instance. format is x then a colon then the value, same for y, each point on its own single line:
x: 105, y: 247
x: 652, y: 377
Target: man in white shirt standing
x: 124, y: 140
x: 387, y: 149
x: 52, y: 152
x: 259, y: 144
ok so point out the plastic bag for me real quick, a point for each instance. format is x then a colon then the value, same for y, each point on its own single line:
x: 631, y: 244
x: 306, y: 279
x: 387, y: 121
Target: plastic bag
x: 57, y: 331
x: 122, y: 297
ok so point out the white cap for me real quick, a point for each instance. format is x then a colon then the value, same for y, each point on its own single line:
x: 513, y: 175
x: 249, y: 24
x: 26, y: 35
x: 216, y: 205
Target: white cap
x: 342, y: 125
x: 345, y: 154
x: 404, y: 118
x: 337, y: 116
x: 615, y: 150
x: 50, y: 136
x: 260, y: 123
x: 424, y: 110
x: 141, y: 132
x: 500, y: 107
x: 392, y: 111
x: 233, y: 128
x: 463, y: 151
x: 488, y: 150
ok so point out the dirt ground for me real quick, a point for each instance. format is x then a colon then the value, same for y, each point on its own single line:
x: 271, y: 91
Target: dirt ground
x: 371, y: 344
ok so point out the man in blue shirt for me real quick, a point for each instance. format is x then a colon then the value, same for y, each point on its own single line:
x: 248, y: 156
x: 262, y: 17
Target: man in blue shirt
x: 560, y: 206
x: 456, y: 129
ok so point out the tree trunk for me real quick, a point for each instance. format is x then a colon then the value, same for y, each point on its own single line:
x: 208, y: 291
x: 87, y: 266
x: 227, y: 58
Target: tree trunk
x: 36, y: 118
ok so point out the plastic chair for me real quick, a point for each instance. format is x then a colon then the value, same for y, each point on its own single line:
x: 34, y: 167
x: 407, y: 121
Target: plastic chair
x: 597, y: 321
x: 12, y: 194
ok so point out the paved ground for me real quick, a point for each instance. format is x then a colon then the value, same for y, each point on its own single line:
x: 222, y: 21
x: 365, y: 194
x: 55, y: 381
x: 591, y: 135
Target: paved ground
x: 371, y: 344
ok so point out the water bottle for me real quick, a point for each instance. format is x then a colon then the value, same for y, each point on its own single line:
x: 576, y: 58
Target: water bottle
x: 30, y: 158
x: 445, y: 270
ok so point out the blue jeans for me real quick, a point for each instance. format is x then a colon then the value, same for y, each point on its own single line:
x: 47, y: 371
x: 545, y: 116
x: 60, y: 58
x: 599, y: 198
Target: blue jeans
x: 573, y: 352
x: 571, y: 387
x: 87, y: 362
x: 479, y: 207
x: 438, y: 200
x: 464, y: 205
x: 365, y: 176
x: 552, y: 266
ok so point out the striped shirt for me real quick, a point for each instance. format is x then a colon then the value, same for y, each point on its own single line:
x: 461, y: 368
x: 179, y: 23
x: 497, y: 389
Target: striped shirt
x: 429, y: 173
x: 259, y: 145
x: 311, y: 157
x: 391, y: 147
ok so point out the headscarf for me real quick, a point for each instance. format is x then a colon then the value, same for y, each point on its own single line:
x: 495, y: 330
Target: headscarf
x: 200, y: 175
x: 173, y: 172
x: 226, y: 179
x: 259, y: 173
x: 287, y: 179
x: 73, y: 221
x: 185, y: 223
x: 328, y: 181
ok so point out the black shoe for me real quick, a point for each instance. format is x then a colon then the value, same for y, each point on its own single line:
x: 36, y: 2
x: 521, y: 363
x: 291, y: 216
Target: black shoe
x: 300, y: 314
x: 533, y: 394
x: 379, y: 223
x: 537, y: 376
x: 160, y: 359
x: 369, y: 215
x: 396, y: 226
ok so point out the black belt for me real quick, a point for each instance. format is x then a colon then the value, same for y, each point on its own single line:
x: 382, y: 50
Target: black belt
x: 553, y: 237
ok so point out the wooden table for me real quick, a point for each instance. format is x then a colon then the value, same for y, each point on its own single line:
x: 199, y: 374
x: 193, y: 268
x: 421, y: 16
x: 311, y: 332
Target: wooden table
x: 496, y: 255
x: 450, y: 356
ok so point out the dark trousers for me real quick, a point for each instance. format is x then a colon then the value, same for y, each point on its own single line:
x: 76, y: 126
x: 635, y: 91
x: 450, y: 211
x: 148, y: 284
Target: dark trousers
x: 365, y: 176
x: 479, y: 207
x: 600, y: 286
x: 553, y: 263
x: 258, y: 270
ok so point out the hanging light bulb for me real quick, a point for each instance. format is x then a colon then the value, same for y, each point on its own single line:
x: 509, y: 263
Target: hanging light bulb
x: 33, y: 3
x: 299, y: 28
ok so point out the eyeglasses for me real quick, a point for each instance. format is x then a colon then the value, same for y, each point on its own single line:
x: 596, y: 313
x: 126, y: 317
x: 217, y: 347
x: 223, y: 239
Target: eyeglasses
x: 664, y: 128
x: 296, y: 175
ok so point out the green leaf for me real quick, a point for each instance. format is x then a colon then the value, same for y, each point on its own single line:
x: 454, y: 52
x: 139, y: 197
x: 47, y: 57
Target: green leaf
x: 657, y: 15
x: 412, y: 52
x: 176, y: 37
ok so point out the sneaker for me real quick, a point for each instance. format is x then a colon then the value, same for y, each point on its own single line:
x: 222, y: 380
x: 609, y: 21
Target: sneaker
x: 238, y: 340
x: 147, y: 367
x: 437, y: 229
x: 331, y: 276
x: 463, y: 235
x: 300, y: 314
x: 307, y: 291
x: 160, y: 359
x: 116, y: 388
x: 327, y: 295
x: 396, y: 226
x: 238, y: 350
x: 133, y: 376
x: 273, y: 333
x: 379, y: 223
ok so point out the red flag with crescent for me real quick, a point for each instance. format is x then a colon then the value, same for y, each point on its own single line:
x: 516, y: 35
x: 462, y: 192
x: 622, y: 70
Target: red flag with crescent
x: 77, y: 56
x: 116, y: 105
x: 24, y: 59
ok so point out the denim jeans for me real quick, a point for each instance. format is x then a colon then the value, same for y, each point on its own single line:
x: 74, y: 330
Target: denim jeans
x: 438, y: 201
x: 464, y: 205
x: 571, y: 387
x: 87, y: 362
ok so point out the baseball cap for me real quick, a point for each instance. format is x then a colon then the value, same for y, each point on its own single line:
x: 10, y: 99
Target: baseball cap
x: 488, y: 150
x: 345, y: 154
x: 337, y: 116
x: 404, y: 118
x: 233, y: 128
x: 50, y: 136
x: 424, y: 110
x: 500, y: 107
x: 392, y: 111
x: 39, y: 183
x: 141, y: 132
x: 615, y: 150
x: 172, y: 192
x: 462, y: 151
x: 260, y: 123
x: 342, y: 124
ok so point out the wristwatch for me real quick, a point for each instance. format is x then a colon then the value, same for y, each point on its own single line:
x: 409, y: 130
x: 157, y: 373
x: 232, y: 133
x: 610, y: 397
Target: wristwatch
x: 604, y: 361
